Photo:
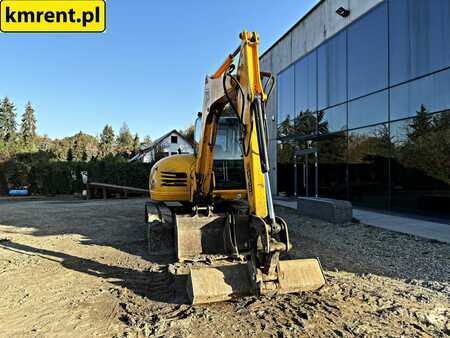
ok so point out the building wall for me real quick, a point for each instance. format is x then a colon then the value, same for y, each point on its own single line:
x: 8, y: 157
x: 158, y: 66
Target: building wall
x: 172, y: 148
x: 309, y: 33
x: 148, y: 157
x: 372, y: 97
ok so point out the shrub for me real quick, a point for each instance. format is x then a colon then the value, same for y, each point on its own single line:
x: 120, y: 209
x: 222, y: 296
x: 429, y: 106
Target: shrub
x: 43, y: 175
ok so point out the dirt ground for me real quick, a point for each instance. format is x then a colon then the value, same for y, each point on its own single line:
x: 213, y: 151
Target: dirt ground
x: 80, y: 269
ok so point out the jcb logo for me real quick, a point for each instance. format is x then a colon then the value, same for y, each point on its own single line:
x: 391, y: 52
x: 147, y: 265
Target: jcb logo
x: 249, y: 182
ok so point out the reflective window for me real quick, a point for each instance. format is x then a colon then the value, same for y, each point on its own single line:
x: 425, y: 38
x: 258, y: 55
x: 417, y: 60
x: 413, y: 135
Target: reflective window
x: 306, y: 84
x: 419, y: 37
x: 431, y: 93
x: 368, y: 165
x: 286, y: 95
x: 303, y: 124
x: 368, y: 53
x: 368, y: 110
x: 333, y: 119
x: 333, y: 166
x: 285, y: 128
x: 306, y: 123
x: 332, y: 71
x: 419, y: 167
x: 229, y: 174
x: 227, y: 145
x: 285, y: 168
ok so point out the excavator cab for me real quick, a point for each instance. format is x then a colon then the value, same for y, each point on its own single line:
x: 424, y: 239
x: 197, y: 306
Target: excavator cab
x: 228, y: 165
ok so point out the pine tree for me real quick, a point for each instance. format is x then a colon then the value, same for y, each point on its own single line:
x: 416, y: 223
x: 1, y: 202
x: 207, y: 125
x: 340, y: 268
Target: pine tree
x: 285, y: 128
x: 419, y: 125
x: 125, y: 140
x: 70, y: 154
x: 28, y: 126
x: 189, y: 134
x: 8, y: 124
x: 305, y: 123
x: 3, y: 106
x: 441, y: 121
x: 147, y: 140
x: 322, y: 124
x: 106, y: 141
x: 44, y: 143
x: 136, y: 144
x: 79, y: 147
x: 84, y: 156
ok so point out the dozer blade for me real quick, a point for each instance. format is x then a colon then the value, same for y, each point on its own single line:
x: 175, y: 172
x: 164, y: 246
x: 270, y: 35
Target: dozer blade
x: 160, y: 226
x: 198, y: 235
x: 204, y: 235
x: 216, y: 284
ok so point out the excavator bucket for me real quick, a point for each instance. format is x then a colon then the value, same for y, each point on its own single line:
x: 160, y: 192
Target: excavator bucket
x: 203, y: 235
x: 300, y: 275
x: 216, y: 284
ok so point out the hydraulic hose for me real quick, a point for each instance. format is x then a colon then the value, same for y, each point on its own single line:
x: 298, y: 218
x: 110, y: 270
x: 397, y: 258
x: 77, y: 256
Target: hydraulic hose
x: 245, y: 148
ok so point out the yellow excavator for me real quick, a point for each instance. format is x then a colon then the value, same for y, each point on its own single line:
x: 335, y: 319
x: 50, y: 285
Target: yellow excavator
x: 224, y: 204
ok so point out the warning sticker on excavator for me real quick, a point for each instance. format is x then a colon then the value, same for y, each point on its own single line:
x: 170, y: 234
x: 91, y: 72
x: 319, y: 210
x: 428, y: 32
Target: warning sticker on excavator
x: 76, y: 16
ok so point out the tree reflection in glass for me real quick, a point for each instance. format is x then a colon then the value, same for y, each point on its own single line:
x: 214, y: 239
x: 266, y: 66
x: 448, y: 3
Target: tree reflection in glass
x: 368, y: 156
x: 420, y: 166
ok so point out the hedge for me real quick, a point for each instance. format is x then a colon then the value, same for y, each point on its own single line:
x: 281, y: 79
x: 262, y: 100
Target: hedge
x: 45, y: 176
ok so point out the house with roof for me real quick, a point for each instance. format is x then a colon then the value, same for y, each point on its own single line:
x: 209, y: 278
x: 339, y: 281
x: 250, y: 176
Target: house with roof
x: 169, y: 144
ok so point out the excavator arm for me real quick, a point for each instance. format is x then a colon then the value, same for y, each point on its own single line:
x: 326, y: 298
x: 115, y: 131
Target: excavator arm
x: 245, y: 93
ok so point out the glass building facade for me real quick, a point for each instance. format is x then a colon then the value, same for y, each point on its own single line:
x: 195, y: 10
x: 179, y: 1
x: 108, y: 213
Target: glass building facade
x: 374, y: 101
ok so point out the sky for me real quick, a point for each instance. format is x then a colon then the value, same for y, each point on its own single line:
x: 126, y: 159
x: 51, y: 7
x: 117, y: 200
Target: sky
x: 147, y: 69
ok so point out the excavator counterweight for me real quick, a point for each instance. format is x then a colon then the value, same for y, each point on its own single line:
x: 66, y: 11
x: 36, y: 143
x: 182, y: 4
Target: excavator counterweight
x: 227, y: 215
